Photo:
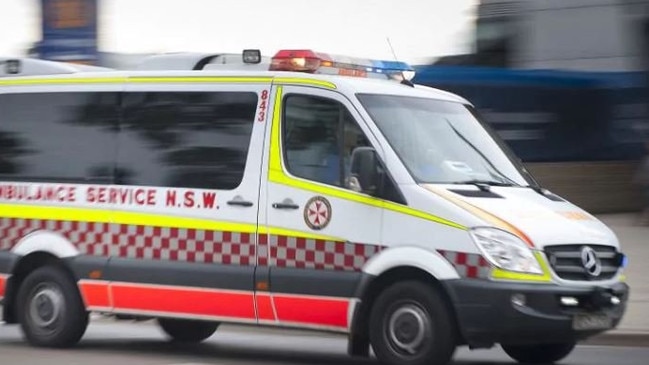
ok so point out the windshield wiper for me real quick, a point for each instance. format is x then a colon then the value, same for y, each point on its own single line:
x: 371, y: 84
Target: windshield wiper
x: 484, y: 158
x: 484, y: 185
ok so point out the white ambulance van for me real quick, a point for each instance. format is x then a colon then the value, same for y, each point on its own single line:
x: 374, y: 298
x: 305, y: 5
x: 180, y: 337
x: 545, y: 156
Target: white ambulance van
x: 322, y: 193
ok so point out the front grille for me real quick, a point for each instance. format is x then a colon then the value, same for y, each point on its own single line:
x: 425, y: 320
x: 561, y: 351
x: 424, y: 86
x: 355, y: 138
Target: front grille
x: 567, y: 263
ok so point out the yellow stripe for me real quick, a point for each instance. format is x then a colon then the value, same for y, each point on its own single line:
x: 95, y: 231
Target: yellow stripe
x: 141, y: 219
x: 275, y: 163
x: 300, y: 81
x: 118, y: 217
x: 281, y: 178
x: 54, y: 213
x: 199, y: 79
x: 276, y: 174
x: 500, y: 274
x: 234, y: 79
x: 93, y: 80
x: 170, y: 79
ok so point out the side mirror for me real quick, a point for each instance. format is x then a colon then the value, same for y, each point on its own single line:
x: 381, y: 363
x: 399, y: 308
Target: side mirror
x: 365, y: 176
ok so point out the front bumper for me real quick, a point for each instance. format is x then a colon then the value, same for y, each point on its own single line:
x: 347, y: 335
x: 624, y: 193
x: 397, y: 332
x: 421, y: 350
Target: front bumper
x: 487, y: 315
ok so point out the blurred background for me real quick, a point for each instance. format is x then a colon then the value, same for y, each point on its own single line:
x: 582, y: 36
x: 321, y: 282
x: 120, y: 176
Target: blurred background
x: 564, y: 82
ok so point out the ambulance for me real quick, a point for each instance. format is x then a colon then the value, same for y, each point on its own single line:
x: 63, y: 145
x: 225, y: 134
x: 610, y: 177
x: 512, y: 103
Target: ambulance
x: 307, y: 191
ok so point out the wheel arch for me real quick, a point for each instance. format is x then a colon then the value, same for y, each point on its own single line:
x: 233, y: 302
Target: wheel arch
x: 22, y: 268
x: 45, y: 241
x: 370, y: 288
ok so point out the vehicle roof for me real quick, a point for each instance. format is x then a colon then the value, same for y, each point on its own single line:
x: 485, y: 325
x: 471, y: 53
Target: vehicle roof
x: 345, y: 84
x: 42, y: 68
x: 196, y: 61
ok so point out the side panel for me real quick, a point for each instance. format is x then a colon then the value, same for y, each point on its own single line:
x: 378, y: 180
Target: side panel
x: 319, y: 236
x: 7, y: 263
x: 3, y: 285
x: 56, y: 142
x: 137, y: 247
x: 89, y: 269
x: 206, y: 141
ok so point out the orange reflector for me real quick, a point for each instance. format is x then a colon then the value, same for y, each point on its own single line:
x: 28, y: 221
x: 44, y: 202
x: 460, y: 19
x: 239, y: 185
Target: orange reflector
x: 352, y: 72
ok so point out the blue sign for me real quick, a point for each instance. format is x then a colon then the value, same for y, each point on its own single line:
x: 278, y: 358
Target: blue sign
x: 69, y: 31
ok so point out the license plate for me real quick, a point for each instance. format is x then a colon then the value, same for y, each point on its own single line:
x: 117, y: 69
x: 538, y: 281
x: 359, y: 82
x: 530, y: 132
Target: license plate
x: 583, y: 322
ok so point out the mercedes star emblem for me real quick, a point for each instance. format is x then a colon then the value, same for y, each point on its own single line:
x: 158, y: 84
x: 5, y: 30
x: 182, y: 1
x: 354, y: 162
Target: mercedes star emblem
x: 590, y: 261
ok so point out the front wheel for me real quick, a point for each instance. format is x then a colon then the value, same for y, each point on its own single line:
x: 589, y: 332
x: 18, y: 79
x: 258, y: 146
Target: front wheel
x: 187, y: 331
x: 539, y: 354
x: 50, y: 309
x: 411, y: 325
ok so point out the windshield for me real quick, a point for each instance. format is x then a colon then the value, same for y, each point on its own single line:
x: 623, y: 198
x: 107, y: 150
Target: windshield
x: 443, y: 142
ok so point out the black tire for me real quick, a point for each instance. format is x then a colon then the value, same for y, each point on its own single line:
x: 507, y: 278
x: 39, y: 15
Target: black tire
x: 432, y: 340
x: 187, y: 331
x: 540, y: 353
x: 50, y: 310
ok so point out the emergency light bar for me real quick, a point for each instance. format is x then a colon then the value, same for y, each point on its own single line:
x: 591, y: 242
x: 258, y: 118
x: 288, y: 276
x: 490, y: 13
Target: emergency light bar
x: 315, y: 62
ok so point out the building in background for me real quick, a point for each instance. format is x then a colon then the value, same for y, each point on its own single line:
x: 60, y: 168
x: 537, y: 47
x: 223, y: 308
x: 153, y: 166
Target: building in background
x: 586, y: 35
x: 583, y: 35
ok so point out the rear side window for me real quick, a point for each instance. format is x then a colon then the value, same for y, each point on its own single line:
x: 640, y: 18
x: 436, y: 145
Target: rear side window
x: 58, y: 137
x: 185, y: 139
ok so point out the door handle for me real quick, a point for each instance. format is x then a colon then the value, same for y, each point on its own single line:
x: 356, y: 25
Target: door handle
x: 240, y: 203
x: 286, y: 204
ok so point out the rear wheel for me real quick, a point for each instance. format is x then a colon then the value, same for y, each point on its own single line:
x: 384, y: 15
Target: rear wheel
x: 50, y: 309
x: 539, y: 354
x: 411, y: 325
x: 187, y: 331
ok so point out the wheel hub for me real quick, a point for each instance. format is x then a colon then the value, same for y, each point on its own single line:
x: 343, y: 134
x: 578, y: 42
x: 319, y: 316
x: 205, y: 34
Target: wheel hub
x: 407, y: 328
x: 45, y: 306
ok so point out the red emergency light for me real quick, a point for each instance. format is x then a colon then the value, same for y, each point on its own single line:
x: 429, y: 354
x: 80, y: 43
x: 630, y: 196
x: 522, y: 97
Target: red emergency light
x: 299, y: 60
x: 304, y: 60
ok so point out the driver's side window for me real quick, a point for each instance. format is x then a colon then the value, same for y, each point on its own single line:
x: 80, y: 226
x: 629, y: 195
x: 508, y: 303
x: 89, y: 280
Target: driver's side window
x: 318, y: 137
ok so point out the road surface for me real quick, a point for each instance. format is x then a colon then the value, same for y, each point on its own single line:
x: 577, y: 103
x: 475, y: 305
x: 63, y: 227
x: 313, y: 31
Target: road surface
x: 123, y: 343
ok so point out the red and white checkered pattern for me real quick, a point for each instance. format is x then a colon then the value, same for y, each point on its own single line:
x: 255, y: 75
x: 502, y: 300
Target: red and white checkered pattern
x: 139, y: 242
x: 468, y: 265
x: 317, y: 254
x: 192, y: 245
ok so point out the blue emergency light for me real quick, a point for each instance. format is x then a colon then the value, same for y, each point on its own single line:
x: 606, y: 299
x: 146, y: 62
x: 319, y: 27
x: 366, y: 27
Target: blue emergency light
x: 391, y: 66
x: 316, y: 62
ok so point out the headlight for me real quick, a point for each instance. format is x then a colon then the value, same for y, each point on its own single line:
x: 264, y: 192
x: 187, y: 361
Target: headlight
x: 505, y: 250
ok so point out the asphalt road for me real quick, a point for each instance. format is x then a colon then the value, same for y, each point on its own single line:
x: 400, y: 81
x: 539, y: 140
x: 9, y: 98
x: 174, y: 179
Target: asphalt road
x: 143, y: 344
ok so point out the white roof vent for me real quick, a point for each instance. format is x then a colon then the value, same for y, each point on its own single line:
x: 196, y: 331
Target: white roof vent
x: 10, y: 67
x: 248, y: 60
